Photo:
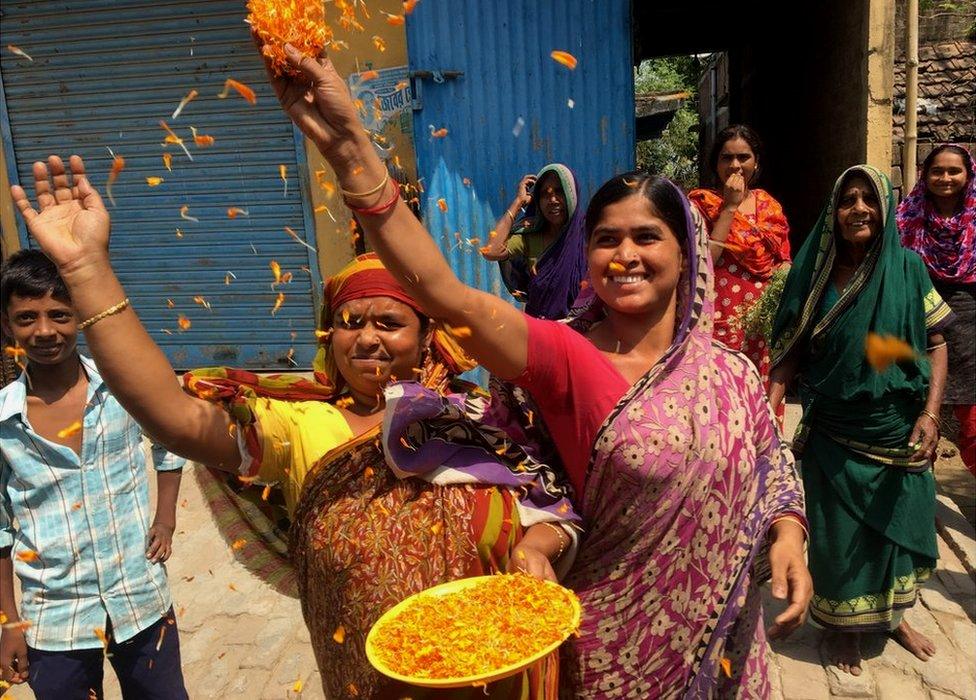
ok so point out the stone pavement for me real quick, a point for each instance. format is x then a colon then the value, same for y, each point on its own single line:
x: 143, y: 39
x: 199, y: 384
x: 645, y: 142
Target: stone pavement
x: 242, y: 639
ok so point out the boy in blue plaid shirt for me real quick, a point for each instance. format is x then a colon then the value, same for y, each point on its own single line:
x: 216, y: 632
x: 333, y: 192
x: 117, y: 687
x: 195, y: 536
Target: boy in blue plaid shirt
x: 74, y: 513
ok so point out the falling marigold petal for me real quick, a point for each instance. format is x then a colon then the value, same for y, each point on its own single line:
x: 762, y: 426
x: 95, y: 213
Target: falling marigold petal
x: 238, y: 544
x: 339, y: 636
x: 726, y: 667
x: 154, y: 181
x: 565, y: 58
x: 16, y: 51
x: 616, y: 268
x: 458, y: 331
x: 242, y: 90
x: 202, y: 140
x: 183, y: 322
x: 882, y: 351
x: 28, y: 555
x: 70, y: 430
x: 184, y: 102
x: 184, y: 215
x: 168, y: 161
x: 279, y: 300
x: 442, y: 204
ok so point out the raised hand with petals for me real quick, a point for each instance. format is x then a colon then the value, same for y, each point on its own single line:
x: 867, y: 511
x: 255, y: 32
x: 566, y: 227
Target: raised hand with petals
x: 318, y: 103
x: 70, y: 222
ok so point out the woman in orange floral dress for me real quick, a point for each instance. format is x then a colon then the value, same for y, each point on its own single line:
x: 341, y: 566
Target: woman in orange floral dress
x: 749, y: 238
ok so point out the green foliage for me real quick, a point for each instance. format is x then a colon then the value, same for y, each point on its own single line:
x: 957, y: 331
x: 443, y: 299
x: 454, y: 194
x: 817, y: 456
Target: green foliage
x: 669, y: 73
x: 675, y: 153
x: 758, y: 319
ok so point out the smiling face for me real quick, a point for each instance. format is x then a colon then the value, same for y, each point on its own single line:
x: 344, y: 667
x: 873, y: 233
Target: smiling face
x: 374, y: 339
x: 946, y: 175
x: 551, y: 200
x: 634, y: 257
x: 45, y: 327
x: 858, y: 212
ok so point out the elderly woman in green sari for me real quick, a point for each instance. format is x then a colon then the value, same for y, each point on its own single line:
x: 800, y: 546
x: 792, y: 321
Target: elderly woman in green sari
x: 868, y: 433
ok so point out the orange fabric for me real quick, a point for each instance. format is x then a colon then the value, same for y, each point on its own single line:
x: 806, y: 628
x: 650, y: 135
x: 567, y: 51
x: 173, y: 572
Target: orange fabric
x: 759, y: 246
x: 753, y: 250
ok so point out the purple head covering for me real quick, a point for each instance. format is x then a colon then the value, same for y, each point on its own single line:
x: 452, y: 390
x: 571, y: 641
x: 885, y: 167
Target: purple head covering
x: 550, y: 289
x: 947, y: 244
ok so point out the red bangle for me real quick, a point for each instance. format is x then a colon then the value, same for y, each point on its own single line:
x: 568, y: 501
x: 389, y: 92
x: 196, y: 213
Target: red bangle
x: 379, y: 208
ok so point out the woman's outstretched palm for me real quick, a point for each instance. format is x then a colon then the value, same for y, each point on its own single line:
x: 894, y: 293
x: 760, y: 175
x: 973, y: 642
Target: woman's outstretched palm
x: 70, y: 222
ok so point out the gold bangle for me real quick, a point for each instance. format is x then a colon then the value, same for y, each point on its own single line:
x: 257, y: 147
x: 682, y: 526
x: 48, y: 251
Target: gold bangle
x: 563, y: 544
x: 105, y: 314
x: 937, y: 346
x: 927, y: 412
x: 386, y: 179
x: 510, y: 215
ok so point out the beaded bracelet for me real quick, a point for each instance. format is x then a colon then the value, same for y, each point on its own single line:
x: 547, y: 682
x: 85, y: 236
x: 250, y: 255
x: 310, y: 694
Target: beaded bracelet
x: 104, y: 314
x: 563, y: 543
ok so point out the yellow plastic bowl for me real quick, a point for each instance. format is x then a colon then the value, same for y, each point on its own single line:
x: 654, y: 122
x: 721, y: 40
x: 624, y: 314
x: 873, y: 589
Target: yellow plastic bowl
x: 462, y: 681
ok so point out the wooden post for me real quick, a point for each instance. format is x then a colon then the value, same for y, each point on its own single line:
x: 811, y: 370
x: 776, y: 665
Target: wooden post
x: 911, y: 98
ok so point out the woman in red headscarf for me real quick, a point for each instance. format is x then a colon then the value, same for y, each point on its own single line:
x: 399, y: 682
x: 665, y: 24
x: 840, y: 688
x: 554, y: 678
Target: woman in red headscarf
x: 363, y: 537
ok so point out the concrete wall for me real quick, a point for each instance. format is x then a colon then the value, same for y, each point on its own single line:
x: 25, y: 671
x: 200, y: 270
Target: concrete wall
x: 820, y: 96
x: 335, y: 239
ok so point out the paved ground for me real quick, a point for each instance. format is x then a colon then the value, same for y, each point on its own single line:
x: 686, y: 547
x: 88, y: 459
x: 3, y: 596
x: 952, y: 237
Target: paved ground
x: 242, y: 639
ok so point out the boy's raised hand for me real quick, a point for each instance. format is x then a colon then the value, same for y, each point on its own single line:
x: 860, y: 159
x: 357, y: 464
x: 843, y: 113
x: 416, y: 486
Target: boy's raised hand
x: 70, y: 223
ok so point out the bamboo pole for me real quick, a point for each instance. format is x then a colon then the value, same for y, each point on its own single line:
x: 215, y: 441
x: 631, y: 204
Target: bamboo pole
x: 911, y: 98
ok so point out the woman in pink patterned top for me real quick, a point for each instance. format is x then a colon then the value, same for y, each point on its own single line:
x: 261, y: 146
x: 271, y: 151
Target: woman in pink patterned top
x: 688, y: 495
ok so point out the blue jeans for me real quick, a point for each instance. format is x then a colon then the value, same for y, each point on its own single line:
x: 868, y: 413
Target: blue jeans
x: 143, y: 672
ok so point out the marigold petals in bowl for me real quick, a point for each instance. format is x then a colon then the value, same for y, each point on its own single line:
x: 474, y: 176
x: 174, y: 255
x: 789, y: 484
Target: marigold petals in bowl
x: 472, y: 631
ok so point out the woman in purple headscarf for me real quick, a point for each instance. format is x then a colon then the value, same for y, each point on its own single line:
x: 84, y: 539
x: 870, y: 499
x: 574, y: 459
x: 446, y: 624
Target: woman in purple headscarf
x: 938, y: 221
x: 541, y: 254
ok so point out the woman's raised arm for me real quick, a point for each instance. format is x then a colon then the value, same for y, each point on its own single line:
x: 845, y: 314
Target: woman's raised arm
x: 318, y: 102
x: 72, y: 227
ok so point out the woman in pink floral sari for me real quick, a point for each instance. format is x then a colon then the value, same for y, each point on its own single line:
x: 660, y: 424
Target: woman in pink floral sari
x: 685, y: 487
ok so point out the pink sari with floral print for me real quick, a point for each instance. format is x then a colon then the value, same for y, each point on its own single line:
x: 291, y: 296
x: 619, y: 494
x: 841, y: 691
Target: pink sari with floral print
x: 687, y: 474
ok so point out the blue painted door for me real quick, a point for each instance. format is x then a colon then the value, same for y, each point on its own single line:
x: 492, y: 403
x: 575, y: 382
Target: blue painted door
x: 104, y: 73
x: 483, y: 71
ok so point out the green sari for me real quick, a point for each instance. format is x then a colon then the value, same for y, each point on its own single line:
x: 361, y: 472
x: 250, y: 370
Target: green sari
x: 871, y: 508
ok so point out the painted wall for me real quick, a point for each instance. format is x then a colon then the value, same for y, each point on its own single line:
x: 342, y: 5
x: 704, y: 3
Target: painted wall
x: 335, y: 240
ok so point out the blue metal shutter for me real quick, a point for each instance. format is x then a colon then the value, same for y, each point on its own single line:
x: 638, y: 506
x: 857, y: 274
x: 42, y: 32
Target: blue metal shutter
x: 501, y: 48
x: 104, y: 73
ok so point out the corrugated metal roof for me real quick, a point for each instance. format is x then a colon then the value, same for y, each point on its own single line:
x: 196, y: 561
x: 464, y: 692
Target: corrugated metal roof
x: 104, y: 74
